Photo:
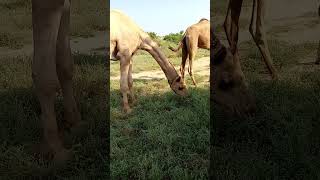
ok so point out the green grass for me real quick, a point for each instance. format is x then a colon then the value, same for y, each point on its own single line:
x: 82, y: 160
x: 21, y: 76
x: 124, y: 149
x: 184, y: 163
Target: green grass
x: 20, y: 126
x: 282, y: 140
x: 166, y: 136
x: 284, y: 55
x: 87, y: 17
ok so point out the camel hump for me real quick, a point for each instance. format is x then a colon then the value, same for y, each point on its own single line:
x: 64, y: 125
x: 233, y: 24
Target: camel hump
x: 203, y: 19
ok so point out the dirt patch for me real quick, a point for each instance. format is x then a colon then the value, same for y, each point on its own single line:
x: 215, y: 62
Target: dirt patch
x: 91, y: 45
x: 201, y: 67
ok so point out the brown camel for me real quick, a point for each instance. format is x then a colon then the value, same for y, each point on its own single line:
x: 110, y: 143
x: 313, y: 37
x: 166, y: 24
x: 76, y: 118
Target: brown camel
x: 229, y: 87
x: 53, y: 67
x: 196, y: 36
x: 126, y: 37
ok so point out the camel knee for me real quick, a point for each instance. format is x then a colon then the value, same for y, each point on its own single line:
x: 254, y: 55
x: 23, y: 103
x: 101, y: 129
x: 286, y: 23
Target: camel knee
x: 124, y: 88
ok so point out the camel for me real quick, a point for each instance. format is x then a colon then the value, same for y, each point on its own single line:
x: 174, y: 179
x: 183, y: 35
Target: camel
x: 318, y: 57
x: 231, y: 26
x: 52, y: 68
x: 229, y: 87
x: 126, y: 37
x: 196, y: 36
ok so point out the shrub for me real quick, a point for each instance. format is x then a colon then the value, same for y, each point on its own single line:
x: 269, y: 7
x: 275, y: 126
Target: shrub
x: 173, y: 37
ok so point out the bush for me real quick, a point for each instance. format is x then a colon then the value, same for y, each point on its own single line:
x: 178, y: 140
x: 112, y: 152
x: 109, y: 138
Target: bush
x: 153, y: 35
x: 173, y: 37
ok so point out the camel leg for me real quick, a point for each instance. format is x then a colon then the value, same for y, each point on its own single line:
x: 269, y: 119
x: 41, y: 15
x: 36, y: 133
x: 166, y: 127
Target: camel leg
x: 260, y: 37
x: 46, y: 21
x: 65, y: 69
x: 318, y: 54
x: 192, y: 55
x: 318, y: 57
x: 227, y: 24
x: 192, y: 46
x: 130, y: 83
x: 124, y: 88
x: 235, y: 14
x: 183, y: 62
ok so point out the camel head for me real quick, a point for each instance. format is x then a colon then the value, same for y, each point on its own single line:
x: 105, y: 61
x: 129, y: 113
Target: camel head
x: 230, y: 89
x: 178, y: 86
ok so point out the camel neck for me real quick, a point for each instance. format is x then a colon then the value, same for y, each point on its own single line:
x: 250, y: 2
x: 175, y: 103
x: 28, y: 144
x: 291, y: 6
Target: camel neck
x: 164, y: 63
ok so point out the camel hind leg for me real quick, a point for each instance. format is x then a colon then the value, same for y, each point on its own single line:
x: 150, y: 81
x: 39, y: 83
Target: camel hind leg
x: 260, y: 36
x: 130, y: 84
x: 235, y: 8
x: 318, y: 54
x: 227, y: 24
x: 183, y: 61
x: 192, y: 45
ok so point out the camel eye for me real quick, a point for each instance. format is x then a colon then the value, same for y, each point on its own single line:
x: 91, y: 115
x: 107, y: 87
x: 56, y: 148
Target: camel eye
x: 178, y: 79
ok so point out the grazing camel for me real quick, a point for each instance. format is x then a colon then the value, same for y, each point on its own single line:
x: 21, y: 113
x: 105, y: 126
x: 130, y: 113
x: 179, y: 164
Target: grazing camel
x: 196, y: 36
x: 53, y: 67
x: 229, y: 87
x: 126, y: 37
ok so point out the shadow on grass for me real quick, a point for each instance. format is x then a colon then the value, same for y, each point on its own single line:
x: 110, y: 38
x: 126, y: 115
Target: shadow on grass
x: 281, y: 142
x: 20, y: 126
x: 165, y: 137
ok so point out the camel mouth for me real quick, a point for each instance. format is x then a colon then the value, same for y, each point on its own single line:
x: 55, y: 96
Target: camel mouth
x: 182, y: 93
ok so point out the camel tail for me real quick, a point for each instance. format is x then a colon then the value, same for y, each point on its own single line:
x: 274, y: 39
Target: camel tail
x: 179, y: 45
x: 176, y: 49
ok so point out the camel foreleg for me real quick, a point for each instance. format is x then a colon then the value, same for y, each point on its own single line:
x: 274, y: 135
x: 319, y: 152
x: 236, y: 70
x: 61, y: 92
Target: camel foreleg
x: 124, y: 84
x: 46, y: 22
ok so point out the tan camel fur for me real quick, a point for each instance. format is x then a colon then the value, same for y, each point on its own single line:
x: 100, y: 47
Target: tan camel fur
x: 229, y: 88
x: 196, y: 36
x: 126, y: 37
x: 53, y: 67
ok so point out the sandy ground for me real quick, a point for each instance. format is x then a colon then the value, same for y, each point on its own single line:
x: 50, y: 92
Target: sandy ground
x: 91, y: 45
